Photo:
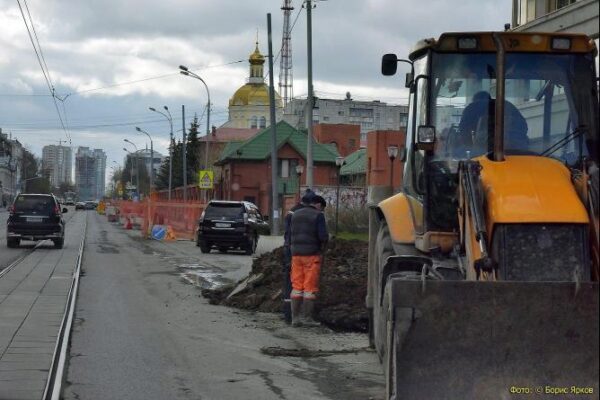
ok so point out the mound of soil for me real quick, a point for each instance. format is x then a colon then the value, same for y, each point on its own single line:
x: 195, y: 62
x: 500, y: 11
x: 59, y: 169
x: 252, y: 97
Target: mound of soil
x: 340, y: 303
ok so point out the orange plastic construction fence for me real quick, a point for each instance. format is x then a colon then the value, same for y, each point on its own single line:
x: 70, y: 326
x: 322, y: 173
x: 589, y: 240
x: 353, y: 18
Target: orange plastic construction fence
x: 181, y: 218
x: 132, y: 214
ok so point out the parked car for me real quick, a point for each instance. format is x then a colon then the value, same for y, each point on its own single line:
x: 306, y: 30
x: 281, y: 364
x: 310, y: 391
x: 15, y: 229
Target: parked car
x: 90, y: 205
x: 80, y: 205
x: 35, y: 217
x: 230, y: 225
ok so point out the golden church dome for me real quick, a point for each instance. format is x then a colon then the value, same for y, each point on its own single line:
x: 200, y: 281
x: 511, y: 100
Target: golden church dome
x: 253, y: 94
x: 256, y: 57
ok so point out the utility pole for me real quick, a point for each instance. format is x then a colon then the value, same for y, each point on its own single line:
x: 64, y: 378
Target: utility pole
x: 274, y: 191
x: 184, y: 156
x: 310, y: 100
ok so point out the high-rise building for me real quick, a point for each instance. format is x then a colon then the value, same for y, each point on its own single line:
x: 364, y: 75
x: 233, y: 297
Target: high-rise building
x: 57, y: 164
x: 90, y: 169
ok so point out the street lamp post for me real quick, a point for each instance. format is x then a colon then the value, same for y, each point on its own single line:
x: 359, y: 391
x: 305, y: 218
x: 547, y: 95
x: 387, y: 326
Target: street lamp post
x: 170, y: 119
x: 137, y: 128
x: 185, y: 71
x: 299, y: 171
x: 339, y: 162
x: 392, y: 151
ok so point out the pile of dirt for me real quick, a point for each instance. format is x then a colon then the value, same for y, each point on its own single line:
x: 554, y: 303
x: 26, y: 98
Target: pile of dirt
x: 341, y: 301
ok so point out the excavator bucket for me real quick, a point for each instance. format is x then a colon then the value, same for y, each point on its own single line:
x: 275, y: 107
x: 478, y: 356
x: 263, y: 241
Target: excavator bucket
x: 493, y: 340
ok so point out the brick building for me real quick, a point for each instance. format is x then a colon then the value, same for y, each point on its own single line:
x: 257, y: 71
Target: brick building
x: 246, y: 166
x: 379, y: 165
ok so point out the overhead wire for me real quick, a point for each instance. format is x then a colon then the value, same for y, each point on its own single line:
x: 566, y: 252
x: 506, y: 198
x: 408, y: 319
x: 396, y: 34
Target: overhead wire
x: 41, y: 61
x: 148, y: 78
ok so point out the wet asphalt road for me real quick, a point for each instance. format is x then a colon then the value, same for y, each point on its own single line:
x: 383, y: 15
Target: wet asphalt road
x: 142, y: 331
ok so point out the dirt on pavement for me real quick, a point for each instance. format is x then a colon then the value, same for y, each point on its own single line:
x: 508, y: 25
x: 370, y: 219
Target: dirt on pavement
x: 343, y: 288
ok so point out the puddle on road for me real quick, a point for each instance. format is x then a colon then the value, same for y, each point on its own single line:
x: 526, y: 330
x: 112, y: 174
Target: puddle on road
x: 202, y: 277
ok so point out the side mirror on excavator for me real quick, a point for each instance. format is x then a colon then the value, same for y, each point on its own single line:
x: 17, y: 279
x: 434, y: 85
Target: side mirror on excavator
x: 389, y: 64
x: 425, y: 137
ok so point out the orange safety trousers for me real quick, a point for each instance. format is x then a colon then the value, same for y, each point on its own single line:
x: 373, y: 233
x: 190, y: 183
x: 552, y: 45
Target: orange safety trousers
x: 305, y: 276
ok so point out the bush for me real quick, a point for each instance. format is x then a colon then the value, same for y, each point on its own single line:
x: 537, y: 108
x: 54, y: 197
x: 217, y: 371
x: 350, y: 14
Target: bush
x: 353, y: 220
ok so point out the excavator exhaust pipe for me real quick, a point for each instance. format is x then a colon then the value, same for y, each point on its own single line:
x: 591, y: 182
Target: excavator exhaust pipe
x: 492, y: 340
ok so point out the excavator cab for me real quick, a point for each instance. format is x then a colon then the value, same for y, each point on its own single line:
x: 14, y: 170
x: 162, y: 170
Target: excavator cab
x: 496, y: 226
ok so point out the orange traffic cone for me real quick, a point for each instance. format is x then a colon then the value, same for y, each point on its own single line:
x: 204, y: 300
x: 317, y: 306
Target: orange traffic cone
x: 170, y: 234
x: 128, y: 224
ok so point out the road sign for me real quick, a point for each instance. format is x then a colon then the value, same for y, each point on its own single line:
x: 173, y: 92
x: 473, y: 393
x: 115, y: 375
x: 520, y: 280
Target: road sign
x: 205, y: 179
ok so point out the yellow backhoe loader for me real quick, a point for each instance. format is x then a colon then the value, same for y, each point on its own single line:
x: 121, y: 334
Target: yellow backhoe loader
x: 483, y: 269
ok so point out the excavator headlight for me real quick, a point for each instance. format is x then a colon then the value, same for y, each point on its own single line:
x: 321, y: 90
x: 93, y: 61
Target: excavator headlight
x: 425, y: 137
x: 467, y: 43
x: 426, y: 134
x: 561, y: 43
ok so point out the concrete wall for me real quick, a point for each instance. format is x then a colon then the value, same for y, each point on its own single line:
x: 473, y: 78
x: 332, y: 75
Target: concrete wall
x: 579, y: 17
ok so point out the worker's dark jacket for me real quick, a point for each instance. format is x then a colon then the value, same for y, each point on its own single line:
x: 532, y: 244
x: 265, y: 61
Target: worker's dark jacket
x: 309, y: 232
x: 287, y: 234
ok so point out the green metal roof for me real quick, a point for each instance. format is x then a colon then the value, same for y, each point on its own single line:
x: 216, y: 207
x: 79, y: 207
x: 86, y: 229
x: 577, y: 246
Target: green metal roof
x: 230, y: 149
x: 355, y: 163
x: 259, y: 146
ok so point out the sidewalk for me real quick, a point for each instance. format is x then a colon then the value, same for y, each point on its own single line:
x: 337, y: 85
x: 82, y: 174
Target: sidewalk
x: 33, y: 297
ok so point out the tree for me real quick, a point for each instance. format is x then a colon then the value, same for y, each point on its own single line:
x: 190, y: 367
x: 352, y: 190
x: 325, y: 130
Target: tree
x: 133, y: 167
x: 29, y: 165
x: 37, y: 185
x: 193, y: 152
x: 162, y: 177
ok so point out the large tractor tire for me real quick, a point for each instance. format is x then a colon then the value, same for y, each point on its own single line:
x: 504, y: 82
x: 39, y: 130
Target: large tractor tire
x: 377, y: 317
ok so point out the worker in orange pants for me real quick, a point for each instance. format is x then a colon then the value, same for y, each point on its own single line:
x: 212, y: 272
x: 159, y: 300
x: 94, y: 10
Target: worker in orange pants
x: 308, y: 241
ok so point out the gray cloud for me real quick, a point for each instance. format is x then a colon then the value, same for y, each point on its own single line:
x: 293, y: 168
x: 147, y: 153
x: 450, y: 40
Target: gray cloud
x: 94, y: 43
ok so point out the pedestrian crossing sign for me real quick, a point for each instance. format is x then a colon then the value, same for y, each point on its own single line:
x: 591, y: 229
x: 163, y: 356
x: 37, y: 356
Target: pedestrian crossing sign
x: 205, y: 179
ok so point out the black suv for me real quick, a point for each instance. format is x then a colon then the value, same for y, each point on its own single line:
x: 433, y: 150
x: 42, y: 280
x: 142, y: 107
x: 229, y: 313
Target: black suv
x: 35, y: 217
x: 230, y: 225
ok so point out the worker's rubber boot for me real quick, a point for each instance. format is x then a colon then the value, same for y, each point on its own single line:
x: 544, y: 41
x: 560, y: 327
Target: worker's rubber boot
x: 287, y: 311
x: 309, y: 308
x: 296, y: 307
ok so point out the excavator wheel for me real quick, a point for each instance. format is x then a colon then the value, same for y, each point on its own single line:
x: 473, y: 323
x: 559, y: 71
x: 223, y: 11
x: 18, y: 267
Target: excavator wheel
x: 383, y: 250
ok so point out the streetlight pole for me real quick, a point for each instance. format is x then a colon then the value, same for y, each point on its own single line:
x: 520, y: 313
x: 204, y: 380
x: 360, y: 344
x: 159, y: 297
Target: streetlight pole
x: 137, y: 128
x: 299, y: 171
x: 392, y: 151
x: 185, y: 71
x: 339, y: 162
x: 137, y: 166
x: 170, y: 119
x: 310, y: 98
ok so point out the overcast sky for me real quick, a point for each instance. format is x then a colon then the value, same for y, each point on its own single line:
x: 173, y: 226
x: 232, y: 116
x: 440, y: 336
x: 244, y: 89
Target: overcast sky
x: 94, y: 44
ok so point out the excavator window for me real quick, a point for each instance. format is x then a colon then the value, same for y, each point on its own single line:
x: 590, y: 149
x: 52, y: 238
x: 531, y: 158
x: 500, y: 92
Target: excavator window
x: 547, y: 98
x: 547, y: 106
